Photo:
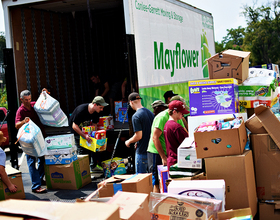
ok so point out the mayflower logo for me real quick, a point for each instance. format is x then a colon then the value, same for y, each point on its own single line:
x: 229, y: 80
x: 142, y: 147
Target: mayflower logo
x: 174, y: 59
x: 205, y: 54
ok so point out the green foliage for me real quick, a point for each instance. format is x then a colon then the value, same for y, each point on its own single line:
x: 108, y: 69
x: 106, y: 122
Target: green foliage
x: 2, y: 45
x: 3, y: 98
x: 261, y: 36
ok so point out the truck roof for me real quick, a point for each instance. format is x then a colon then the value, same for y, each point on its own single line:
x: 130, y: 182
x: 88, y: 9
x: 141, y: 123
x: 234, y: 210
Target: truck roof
x: 81, y: 5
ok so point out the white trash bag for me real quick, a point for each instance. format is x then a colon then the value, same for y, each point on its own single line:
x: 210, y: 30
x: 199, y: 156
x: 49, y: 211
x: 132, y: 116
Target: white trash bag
x: 31, y: 139
x: 49, y: 111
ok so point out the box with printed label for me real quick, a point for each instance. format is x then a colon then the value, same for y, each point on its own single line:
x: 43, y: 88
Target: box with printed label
x: 213, y: 189
x: 118, y: 105
x: 61, y: 156
x: 187, y: 155
x: 96, y: 145
x: 60, y: 141
x: 229, y: 64
x: 139, y: 183
x: 117, y: 167
x: 68, y: 176
x: 216, y: 96
x: 16, y: 178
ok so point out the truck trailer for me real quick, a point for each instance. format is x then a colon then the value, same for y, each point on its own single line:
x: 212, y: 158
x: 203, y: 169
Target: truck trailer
x: 154, y: 45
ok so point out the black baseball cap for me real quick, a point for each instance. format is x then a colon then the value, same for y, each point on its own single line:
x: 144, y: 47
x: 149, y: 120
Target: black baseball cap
x: 133, y: 96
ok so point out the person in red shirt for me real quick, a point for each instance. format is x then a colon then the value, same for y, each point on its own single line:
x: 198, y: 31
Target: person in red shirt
x: 24, y: 112
x: 174, y: 133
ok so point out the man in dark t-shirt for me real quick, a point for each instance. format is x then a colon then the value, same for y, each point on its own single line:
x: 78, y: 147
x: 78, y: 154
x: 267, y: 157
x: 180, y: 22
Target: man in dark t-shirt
x: 142, y: 122
x: 84, y: 115
x: 174, y: 133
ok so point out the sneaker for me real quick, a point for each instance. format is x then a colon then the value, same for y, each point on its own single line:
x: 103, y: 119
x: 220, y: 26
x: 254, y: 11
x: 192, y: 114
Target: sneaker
x: 39, y: 190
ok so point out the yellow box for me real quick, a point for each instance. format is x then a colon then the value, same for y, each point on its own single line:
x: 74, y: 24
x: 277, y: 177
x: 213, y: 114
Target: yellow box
x: 96, y: 144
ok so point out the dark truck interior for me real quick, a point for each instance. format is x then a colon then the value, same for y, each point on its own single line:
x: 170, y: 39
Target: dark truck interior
x: 59, y: 45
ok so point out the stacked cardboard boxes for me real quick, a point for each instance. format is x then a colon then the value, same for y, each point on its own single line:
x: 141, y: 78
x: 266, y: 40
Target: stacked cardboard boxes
x: 265, y: 139
x: 223, y: 148
x: 63, y: 168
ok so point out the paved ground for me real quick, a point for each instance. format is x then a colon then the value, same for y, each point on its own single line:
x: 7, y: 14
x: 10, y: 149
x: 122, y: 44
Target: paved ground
x: 54, y: 195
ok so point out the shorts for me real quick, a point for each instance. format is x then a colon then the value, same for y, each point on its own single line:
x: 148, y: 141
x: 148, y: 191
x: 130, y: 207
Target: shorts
x: 153, y: 161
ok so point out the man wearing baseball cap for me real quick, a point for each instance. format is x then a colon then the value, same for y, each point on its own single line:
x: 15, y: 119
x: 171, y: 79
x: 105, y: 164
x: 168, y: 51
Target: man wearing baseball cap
x: 158, y: 106
x: 85, y: 115
x: 168, y: 95
x: 142, y: 121
x: 157, y: 148
x: 174, y: 134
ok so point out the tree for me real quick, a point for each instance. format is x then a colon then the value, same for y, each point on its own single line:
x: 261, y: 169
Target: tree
x: 2, y: 45
x: 262, y: 33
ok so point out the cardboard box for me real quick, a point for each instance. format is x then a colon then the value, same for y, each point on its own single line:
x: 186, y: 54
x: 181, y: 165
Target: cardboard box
x: 60, y: 210
x: 61, y: 156
x: 105, y: 123
x: 96, y: 144
x: 231, y: 142
x: 164, y: 206
x: 187, y: 155
x: 264, y: 121
x: 229, y: 64
x: 213, y: 189
x: 218, y: 96
x: 16, y: 178
x: 60, y: 141
x: 139, y: 183
x: 195, y: 121
x: 117, y: 167
x: 118, y: 105
x: 68, y: 176
x: 133, y: 206
x: 230, y: 214
x: 266, y: 160
x: 239, y: 176
x: 123, y: 115
x: 269, y: 210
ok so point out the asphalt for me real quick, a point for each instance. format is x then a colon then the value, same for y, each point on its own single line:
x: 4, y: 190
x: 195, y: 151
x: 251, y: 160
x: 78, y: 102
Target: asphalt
x: 54, y: 195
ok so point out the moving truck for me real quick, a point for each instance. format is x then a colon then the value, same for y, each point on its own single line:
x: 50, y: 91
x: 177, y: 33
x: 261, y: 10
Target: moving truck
x: 156, y: 45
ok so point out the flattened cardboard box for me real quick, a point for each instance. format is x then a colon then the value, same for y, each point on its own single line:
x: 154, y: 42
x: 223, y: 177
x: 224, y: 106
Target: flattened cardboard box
x: 16, y: 178
x: 60, y: 210
x: 269, y: 210
x: 133, y: 206
x: 264, y: 121
x: 140, y: 183
x: 238, y: 173
x: 231, y: 142
x: 68, y: 176
x: 229, y: 64
x: 267, y: 166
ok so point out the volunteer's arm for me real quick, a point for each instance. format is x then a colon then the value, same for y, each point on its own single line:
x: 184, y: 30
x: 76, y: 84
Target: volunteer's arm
x: 5, y: 179
x: 79, y: 132
x: 20, y: 123
x: 136, y: 137
x: 156, y: 134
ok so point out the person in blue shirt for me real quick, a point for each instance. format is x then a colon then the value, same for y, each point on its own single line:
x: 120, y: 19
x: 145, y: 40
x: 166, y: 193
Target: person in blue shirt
x: 142, y: 121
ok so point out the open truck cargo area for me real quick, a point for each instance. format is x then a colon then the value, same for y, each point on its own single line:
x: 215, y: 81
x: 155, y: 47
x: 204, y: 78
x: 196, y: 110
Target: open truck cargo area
x: 156, y: 45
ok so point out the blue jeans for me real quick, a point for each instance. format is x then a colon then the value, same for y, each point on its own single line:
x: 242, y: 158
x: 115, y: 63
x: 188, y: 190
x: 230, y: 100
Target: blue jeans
x: 141, y: 163
x: 154, y: 160
x: 36, y: 174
